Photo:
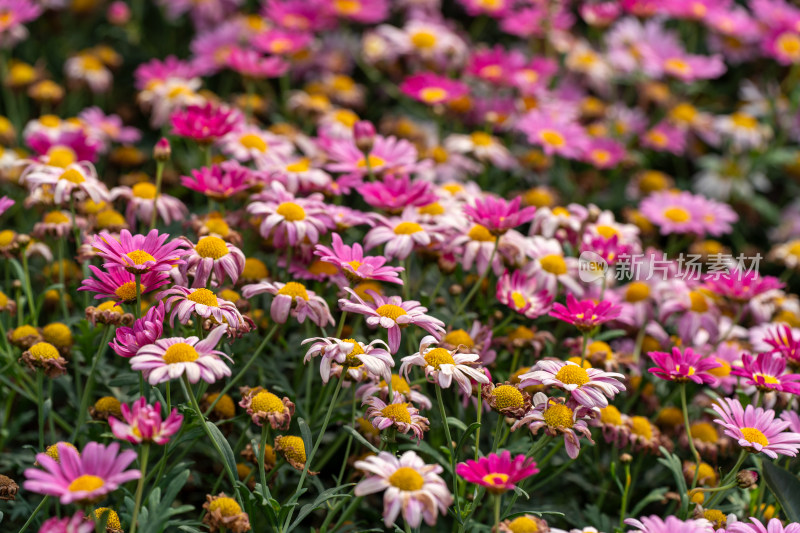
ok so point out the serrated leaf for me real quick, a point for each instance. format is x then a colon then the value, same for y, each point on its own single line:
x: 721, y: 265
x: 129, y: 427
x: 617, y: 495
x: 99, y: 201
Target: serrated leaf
x: 785, y: 486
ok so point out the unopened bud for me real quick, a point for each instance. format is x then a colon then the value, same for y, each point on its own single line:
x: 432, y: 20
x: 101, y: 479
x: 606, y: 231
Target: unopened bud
x: 364, y: 135
x: 456, y: 289
x: 162, y: 151
x: 747, y: 479
x: 118, y: 13
x: 625, y: 458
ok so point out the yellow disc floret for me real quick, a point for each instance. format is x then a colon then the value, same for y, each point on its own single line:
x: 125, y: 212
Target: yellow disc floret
x: 204, y: 297
x: 57, y: 334
x: 295, y: 290
x: 211, y: 247
x: 507, y: 396
x: 573, y: 375
x: 406, y: 478
x: 397, y: 412
x: 43, y: 350
x: 438, y: 357
x: 266, y: 402
x: 558, y: 416
x: 225, y: 506
x: 180, y: 353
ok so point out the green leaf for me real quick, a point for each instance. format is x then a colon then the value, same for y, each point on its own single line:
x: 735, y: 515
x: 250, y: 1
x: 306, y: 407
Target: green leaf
x: 360, y: 438
x: 673, y: 463
x: 655, y: 495
x: 322, y: 498
x: 610, y: 334
x: 455, y: 422
x: 470, y: 430
x: 305, y: 431
x: 223, y: 444
x: 786, y: 488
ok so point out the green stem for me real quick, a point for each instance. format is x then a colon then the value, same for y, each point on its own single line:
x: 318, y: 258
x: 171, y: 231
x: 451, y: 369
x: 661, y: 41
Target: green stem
x: 40, y: 401
x: 29, y: 291
x: 90, y: 381
x: 63, y: 299
x: 340, y: 328
x: 497, y: 501
x: 33, y: 515
x: 138, y: 311
x: 477, y: 285
x: 159, y: 175
x: 140, y: 486
x: 695, y: 454
x: 349, y: 440
x: 731, y: 475
x: 624, y: 506
x: 583, y: 347
x: 478, y: 430
x: 453, y: 451
x: 261, y: 452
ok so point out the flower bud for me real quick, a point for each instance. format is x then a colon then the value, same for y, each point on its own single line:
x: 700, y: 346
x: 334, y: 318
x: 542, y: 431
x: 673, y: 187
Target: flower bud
x: 625, y: 458
x: 364, y: 135
x: 118, y: 13
x: 162, y: 151
x: 747, y: 479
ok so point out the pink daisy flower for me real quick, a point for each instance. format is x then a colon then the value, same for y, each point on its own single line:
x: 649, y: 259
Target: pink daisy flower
x: 691, y: 67
x: 354, y: 264
x: 143, y: 199
x: 14, y: 14
x: 289, y: 219
x: 766, y: 372
x: 784, y: 342
x: 5, y: 204
x: 585, y: 314
x: 145, y: 330
x: 432, y: 89
x: 557, y: 418
x: 74, y: 180
x: 350, y: 353
x: 395, y: 193
x: 399, y: 414
x: 664, y: 137
x: 171, y: 358
x: 476, y: 247
x: 587, y: 387
x: 498, y: 215
x: 603, y: 153
x: 252, y: 64
x: 555, y: 135
x: 281, y: 42
x: 684, y: 365
x: 294, y: 298
x: 411, y: 486
x: 119, y: 284
x: 76, y: 523
x: 756, y: 429
x: 212, y: 260
x: 108, y: 128
x: 143, y: 423
x: 672, y: 524
x: 684, y: 212
x: 207, y: 123
x: 81, y: 477
x: 139, y: 253
x: 392, y: 313
x: 402, y: 234
x: 388, y: 155
x: 781, y: 44
x: 741, y: 286
x: 498, y: 473
x: 183, y: 303
x: 523, y: 295
x: 773, y: 526
x: 442, y: 366
x: 494, y: 9
x: 219, y: 182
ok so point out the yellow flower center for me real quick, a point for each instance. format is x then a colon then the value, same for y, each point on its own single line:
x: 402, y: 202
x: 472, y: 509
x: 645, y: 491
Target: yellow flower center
x: 789, y: 44
x: 407, y: 228
x: 251, y: 141
x: 637, y: 291
x: 110, y: 219
x: 303, y: 165
x: 523, y: 524
x: 57, y: 334
x: 519, y: 300
x: 641, y: 426
x: 212, y: 247
x: 610, y: 415
x: 497, y: 479
x: 453, y: 188
x: 480, y: 138
x: 653, y: 180
x: 352, y: 359
x: 266, y: 402
x: 204, y: 297
x: 391, y: 311
x: 180, y: 353
x: 716, y: 517
x: 144, y: 190
x: 346, y: 117
x: 554, y: 264
x: 521, y: 333
x: 600, y: 156
x: 459, y: 337
x: 573, y: 375
x: 43, y: 350
x: 225, y: 406
x: 52, y: 450
x: 481, y: 234
x: 7, y: 237
x: 398, y: 385
x: 226, y: 506
x: 705, y: 432
x: 71, y: 175
x: 433, y: 95
x: 318, y: 268
x: 508, y: 396
x: 743, y: 120
x: 558, y: 415
x: 62, y: 157
x: 374, y: 162
x: 423, y: 39
x: 434, y: 209
x: 677, y: 214
x: 139, y: 257
x: 768, y: 379
x: 56, y: 217
x: 293, y: 448
x: 406, y: 478
x: 552, y: 138
x: 24, y: 331
x: 291, y: 211
x: 86, y: 482
x: 127, y: 291
x: 755, y: 436
x: 112, y: 518
x: 254, y: 269
x: 3, y: 299
x: 218, y: 226
x: 438, y: 357
x: 722, y: 371
x: 347, y: 7
x: 295, y: 290
x: 657, y: 137
x: 398, y: 412
x: 108, y: 404
x: 111, y: 307
x: 698, y: 302
x: 677, y: 66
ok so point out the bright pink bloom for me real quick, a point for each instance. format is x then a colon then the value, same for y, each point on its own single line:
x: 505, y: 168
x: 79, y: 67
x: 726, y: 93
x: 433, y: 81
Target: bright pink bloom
x: 13, y: 15
x: 5, y: 204
x: 81, y: 477
x: 554, y: 134
x: 741, y: 286
x: 142, y: 201
x: 252, y: 64
x: 773, y: 526
x: 682, y: 366
x: 603, y: 153
x: 219, y: 182
x: 355, y: 265
x: 498, y: 473
x: 183, y: 302
x: 78, y: 143
x: 432, y: 89
x: 785, y: 343
x: 139, y: 253
x: 766, y: 373
x: 145, y: 330
x: 388, y: 155
x: 281, y: 42
x: 212, y: 259
x: 76, y: 523
x: 288, y: 219
x: 664, y: 137
x: 585, y: 314
x: 300, y: 15
x: 143, y: 423
x: 402, y: 234
x: 672, y: 524
x: 684, y: 212
x: 159, y: 70
x: 395, y: 193
x: 496, y: 9
x: 292, y: 297
x: 119, y: 284
x: 600, y: 14
x: 499, y: 215
x: 109, y: 128
x: 523, y: 295
x: 205, y: 124
x: 756, y: 429
x: 365, y: 12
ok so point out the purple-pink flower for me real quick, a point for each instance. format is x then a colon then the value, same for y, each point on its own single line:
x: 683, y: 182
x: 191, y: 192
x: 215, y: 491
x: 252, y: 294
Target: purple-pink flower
x: 145, y: 330
x: 207, y: 123
x: 684, y: 365
x: 139, y: 253
x: 766, y: 372
x: 756, y: 429
x: 499, y: 215
x: 355, y: 265
x: 498, y: 473
x: 143, y: 423
x: 431, y: 89
x: 585, y: 314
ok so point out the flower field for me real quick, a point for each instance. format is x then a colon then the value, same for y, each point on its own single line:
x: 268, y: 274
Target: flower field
x: 501, y: 266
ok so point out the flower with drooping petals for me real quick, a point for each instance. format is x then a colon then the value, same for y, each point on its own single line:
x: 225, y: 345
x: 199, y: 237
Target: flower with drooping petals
x: 262, y: 406
x: 672, y: 524
x: 411, y: 486
x: 498, y: 215
x: 170, y: 358
x: 288, y: 219
x: 145, y: 330
x: 143, y: 199
x: 498, y: 473
x: 443, y: 366
x: 392, y: 313
x: 76, y: 180
x: 756, y: 429
x: 523, y: 295
x: 351, y: 354
x: 399, y: 414
x: 182, y: 303
x: 354, y: 264
x: 138, y: 253
x: 587, y: 387
x: 432, y: 89
x: 44, y: 356
x: 585, y: 314
x: 684, y: 365
x: 767, y: 372
x: 120, y: 285
x: 76, y: 523
x: 294, y: 298
x: 552, y: 415
x: 774, y: 525
x: 224, y: 513
x: 143, y: 423
x: 211, y: 260
x: 81, y: 477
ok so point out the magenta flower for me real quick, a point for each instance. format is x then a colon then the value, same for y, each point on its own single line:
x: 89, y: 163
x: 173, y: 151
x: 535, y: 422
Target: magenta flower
x: 292, y: 298
x: 498, y: 473
x: 683, y: 366
x: 212, y: 259
x: 672, y: 524
x: 119, y: 284
x: 756, y: 429
x: 684, y: 212
x: 741, y: 286
x: 143, y: 423
x: 5, y: 204
x: 14, y: 14
x: 205, y: 124
x: 355, y: 265
x: 773, y: 526
x: 219, y: 182
x: 395, y: 193
x: 81, y: 477
x: 498, y: 215
x: 139, y: 253
x: 766, y: 373
x: 585, y: 314
x: 145, y: 330
x: 76, y: 523
x: 288, y: 219
x: 785, y: 343
x: 252, y: 64
x: 389, y: 155
x: 432, y: 89
x: 281, y: 42
x: 524, y: 295
x: 183, y: 303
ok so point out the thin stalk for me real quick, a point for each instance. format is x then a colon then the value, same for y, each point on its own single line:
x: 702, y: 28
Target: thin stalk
x: 140, y: 486
x: 60, y: 248
x: 90, y: 381
x: 29, y: 290
x: 33, y: 515
x: 695, y: 454
x: 349, y: 441
x: 261, y: 452
x: 453, y: 451
x: 40, y: 402
x: 159, y: 175
x: 478, y: 430
x: 624, y: 505
x: 340, y: 328
x: 583, y: 347
x: 497, y: 501
x: 138, y: 311
x: 477, y: 285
